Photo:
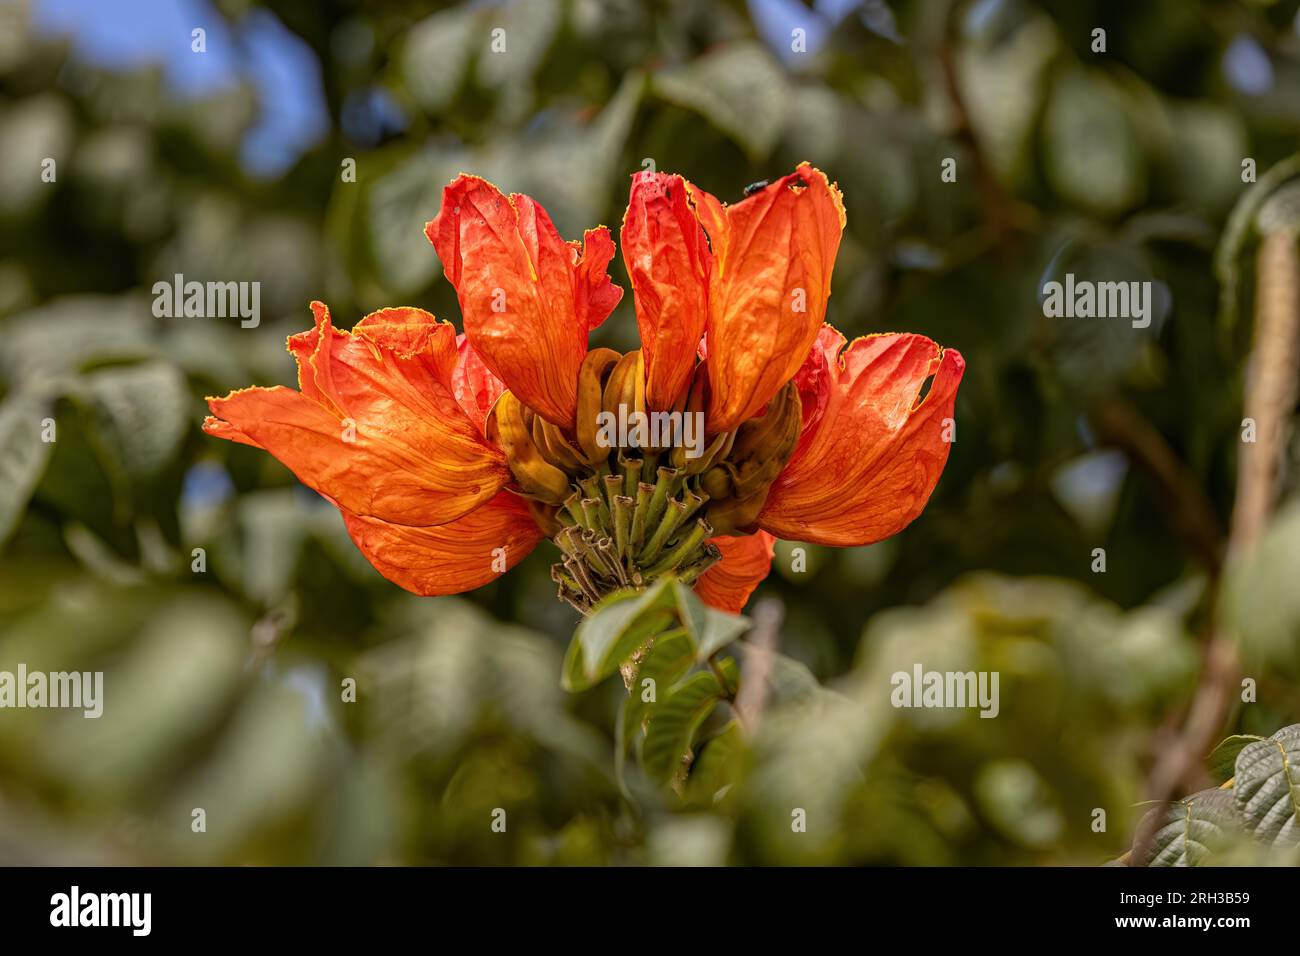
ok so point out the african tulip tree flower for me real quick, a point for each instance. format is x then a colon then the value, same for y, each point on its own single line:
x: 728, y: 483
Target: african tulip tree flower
x: 451, y: 457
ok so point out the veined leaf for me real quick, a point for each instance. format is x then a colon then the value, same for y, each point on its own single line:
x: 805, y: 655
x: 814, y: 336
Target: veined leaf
x: 1263, y: 802
x: 426, y: 691
x: 1222, y: 762
x: 666, y: 663
x: 616, y: 627
x: 1267, y: 788
x: 668, y: 659
x: 142, y: 412
x: 1193, y: 828
x: 711, y: 629
x: 59, y: 339
x: 718, y: 766
x: 626, y: 620
x: 676, y: 718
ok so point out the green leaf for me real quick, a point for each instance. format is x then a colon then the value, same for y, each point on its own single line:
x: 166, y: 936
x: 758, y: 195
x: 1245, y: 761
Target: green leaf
x: 1193, y: 828
x: 668, y: 659
x: 23, y: 456
x: 60, y: 338
x: 437, y: 54
x: 712, y: 629
x: 1261, y: 601
x: 397, y: 203
x: 274, y: 527
x: 574, y: 161
x: 450, y: 667
x: 1004, y: 82
x: 676, y: 717
x: 1223, y: 761
x: 1094, y: 159
x: 740, y: 89
x: 718, y: 766
x: 719, y: 630
x: 143, y: 414
x: 612, y: 637
x: 790, y: 681
x: 1239, y: 228
x: 269, y: 761
x: 1019, y: 803
x: 1090, y: 356
x: 1267, y: 788
x: 626, y: 620
x: 530, y: 29
x: 169, y: 689
x: 1207, y: 144
x: 616, y: 627
x: 572, y: 676
x: 33, y: 128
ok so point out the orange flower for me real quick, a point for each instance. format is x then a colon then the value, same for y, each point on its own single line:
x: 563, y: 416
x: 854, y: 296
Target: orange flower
x: 528, y: 298
x: 451, y: 457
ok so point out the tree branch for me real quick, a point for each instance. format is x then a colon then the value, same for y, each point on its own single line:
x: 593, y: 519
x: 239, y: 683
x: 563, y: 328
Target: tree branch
x: 1270, y: 400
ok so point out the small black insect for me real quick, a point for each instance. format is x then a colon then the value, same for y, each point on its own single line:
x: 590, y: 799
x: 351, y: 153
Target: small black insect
x: 755, y: 187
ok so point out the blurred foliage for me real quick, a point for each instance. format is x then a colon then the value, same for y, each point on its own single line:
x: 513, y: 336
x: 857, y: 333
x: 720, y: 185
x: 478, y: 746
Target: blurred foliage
x: 226, y: 667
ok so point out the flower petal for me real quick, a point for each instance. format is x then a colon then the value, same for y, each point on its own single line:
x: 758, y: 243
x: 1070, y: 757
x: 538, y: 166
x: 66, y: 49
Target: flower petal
x: 451, y: 558
x: 866, y: 469
x: 303, y: 346
x: 377, y: 431
x: 476, y: 388
x: 404, y: 330
x: 745, y: 562
x: 528, y: 297
x: 773, y: 257
x: 814, y: 380
x: 595, y: 295
x: 668, y: 260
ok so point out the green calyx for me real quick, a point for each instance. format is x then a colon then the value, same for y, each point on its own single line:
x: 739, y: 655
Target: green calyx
x: 618, y: 531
